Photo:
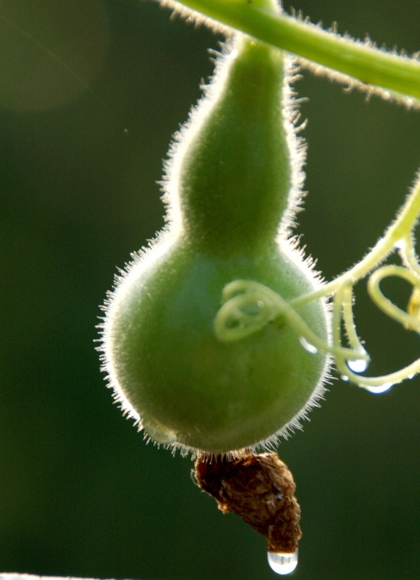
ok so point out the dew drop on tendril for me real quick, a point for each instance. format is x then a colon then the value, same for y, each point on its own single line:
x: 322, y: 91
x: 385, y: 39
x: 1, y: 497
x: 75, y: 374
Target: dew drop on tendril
x: 282, y: 563
x: 308, y: 346
x: 358, y: 365
x: 379, y: 389
x: 399, y: 244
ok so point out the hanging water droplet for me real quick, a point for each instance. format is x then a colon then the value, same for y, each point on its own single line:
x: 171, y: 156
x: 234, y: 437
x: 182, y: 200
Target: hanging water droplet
x: 379, y: 389
x: 307, y: 345
x: 400, y: 244
x: 344, y: 378
x: 282, y: 563
x: 358, y: 365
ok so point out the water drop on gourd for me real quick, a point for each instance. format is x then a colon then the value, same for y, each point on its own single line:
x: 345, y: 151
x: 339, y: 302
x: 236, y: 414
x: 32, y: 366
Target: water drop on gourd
x: 344, y: 378
x: 379, y: 389
x: 308, y: 346
x: 358, y: 365
x: 281, y: 563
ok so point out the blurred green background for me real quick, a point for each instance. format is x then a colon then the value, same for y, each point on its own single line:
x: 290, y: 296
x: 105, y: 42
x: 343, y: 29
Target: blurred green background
x: 90, y: 95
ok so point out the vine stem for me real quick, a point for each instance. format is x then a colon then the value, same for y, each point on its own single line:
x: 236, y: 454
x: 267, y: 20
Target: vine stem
x: 360, y: 60
x: 398, y: 233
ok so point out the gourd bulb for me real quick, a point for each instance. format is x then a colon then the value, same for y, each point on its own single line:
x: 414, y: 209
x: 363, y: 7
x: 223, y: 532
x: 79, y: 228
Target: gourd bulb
x: 234, y: 174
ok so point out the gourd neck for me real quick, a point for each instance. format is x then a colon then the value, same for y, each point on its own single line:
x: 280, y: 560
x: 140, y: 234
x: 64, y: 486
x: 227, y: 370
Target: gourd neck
x: 233, y: 172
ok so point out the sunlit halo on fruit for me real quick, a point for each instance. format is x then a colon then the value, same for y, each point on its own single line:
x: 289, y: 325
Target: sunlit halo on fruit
x: 233, y: 177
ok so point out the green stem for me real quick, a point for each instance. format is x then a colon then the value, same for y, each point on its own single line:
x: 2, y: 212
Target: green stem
x: 368, y: 65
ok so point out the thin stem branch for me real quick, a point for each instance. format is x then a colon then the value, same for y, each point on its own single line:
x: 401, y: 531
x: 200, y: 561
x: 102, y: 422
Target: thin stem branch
x: 399, y: 231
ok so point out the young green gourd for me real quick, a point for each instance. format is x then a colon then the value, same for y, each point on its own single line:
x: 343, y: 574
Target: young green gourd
x: 191, y: 379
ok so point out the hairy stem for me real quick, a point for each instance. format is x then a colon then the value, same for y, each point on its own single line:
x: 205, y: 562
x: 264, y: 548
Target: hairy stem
x: 369, y: 65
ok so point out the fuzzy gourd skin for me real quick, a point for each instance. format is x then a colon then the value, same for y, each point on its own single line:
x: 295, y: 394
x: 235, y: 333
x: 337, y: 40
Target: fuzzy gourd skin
x: 231, y: 180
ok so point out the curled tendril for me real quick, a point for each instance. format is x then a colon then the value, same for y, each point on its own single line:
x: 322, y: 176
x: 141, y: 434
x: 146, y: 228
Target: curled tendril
x: 247, y: 306
x: 407, y: 319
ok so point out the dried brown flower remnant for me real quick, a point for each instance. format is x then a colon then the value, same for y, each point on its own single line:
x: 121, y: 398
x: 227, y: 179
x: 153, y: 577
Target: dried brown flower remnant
x: 259, y: 488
